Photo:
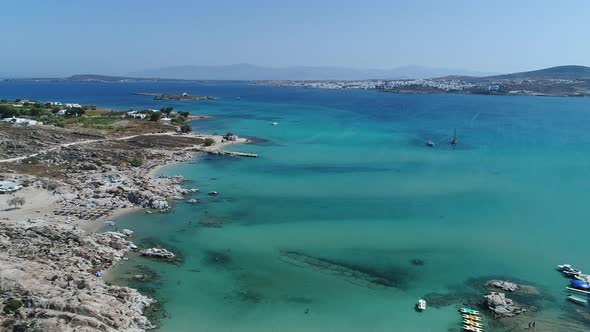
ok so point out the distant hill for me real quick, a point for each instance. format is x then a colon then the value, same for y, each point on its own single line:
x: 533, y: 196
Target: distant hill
x: 247, y: 72
x: 569, y: 72
x: 93, y: 78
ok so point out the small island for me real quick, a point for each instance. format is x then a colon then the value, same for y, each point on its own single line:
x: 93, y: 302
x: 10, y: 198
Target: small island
x: 172, y: 96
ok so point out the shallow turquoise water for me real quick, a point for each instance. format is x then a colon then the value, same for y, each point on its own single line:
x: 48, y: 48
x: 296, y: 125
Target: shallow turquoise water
x: 345, y: 178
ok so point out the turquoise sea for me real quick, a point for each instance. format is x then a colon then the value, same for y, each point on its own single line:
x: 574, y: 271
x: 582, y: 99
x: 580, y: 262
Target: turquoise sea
x: 347, y: 218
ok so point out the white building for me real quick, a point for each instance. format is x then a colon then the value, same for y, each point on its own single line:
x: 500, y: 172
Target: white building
x: 21, y: 121
x: 68, y: 105
x: 136, y: 115
x: 165, y: 120
x: 8, y: 187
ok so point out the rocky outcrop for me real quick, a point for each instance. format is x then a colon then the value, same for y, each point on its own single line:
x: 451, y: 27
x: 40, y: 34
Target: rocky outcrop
x: 47, y: 280
x: 158, y: 253
x: 501, y: 305
x: 147, y: 202
x: 503, y: 285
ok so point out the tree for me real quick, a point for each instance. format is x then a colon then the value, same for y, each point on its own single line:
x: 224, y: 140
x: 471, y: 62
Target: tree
x: 16, y: 201
x: 155, y: 116
x: 74, y: 112
x: 35, y: 111
x: 185, y: 114
x: 209, y: 141
x: 166, y: 110
x: 186, y: 128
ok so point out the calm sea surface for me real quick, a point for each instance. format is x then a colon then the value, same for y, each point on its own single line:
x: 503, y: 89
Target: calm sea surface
x: 346, y: 198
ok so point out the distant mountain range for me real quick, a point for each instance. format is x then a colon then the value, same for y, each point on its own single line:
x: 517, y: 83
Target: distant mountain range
x: 249, y: 72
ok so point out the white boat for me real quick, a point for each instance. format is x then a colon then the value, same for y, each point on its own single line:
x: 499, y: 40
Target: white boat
x: 430, y: 144
x: 577, y: 299
x: 213, y: 193
x: 569, y: 270
x: 275, y: 123
x: 421, y: 305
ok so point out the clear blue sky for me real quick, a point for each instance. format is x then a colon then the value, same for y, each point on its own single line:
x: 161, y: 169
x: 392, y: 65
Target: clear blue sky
x: 61, y: 37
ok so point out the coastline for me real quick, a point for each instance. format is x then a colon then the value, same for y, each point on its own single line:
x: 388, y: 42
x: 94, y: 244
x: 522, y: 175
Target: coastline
x: 58, y: 209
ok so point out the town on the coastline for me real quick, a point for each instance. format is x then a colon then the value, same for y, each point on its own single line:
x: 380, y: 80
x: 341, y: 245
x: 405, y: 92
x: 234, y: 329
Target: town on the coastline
x: 563, y: 81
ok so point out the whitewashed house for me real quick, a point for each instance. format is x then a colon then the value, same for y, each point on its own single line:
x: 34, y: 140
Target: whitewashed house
x: 166, y: 120
x: 21, y: 121
x: 8, y: 187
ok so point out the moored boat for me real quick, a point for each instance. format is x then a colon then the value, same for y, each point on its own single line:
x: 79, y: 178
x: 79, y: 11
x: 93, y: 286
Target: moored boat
x: 421, y: 305
x: 430, y: 144
x: 568, y: 270
x: 576, y: 299
x: 579, y: 284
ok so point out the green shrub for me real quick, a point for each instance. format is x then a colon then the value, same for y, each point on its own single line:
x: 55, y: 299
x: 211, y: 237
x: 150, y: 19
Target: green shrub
x: 12, y: 305
x: 186, y: 128
x: 137, y: 161
x: 209, y: 141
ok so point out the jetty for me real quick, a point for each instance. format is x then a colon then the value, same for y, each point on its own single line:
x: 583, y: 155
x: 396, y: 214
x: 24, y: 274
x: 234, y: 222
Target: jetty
x: 235, y: 154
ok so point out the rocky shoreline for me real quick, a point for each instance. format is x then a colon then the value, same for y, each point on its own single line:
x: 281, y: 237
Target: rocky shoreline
x: 47, y: 281
x: 51, y: 260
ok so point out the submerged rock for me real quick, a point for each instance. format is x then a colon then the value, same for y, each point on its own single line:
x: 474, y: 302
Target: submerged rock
x: 417, y: 262
x: 504, y: 285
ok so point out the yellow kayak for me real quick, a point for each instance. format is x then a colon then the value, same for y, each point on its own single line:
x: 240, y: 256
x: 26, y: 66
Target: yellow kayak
x: 472, y: 317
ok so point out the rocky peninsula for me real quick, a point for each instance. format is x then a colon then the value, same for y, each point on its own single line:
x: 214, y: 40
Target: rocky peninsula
x: 72, y: 181
x: 174, y: 96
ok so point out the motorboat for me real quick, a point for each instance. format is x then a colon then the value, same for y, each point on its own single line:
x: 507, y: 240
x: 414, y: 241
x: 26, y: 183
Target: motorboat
x: 430, y: 144
x: 576, y: 299
x: 579, y: 284
x: 568, y: 270
x: 213, y: 193
x: 421, y: 305
x: 275, y: 123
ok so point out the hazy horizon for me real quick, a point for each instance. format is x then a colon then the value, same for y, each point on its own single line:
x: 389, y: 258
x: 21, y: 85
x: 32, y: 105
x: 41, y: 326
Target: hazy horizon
x: 118, y: 38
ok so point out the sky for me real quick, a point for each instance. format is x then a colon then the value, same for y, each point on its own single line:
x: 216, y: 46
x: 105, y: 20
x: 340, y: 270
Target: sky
x: 117, y: 37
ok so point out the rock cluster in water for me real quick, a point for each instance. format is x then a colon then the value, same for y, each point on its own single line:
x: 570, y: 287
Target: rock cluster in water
x: 501, y: 305
x: 503, y: 285
x: 158, y: 253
